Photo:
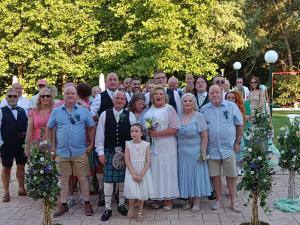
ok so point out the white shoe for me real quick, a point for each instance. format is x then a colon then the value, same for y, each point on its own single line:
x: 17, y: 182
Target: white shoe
x: 196, y: 208
x: 235, y: 208
x: 239, y: 171
x: 81, y: 200
x: 216, y: 205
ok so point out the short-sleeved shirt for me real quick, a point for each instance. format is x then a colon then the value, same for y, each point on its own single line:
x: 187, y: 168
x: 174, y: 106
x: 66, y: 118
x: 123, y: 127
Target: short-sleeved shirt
x: 70, y: 130
x: 221, y: 123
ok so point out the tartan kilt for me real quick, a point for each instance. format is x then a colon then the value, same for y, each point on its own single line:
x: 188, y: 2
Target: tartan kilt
x: 111, y: 175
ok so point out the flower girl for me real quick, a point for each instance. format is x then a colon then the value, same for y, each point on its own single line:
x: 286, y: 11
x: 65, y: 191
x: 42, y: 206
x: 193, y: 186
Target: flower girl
x: 138, y: 179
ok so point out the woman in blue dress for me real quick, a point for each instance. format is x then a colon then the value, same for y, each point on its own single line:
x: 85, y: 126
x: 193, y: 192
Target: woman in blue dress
x: 194, y: 181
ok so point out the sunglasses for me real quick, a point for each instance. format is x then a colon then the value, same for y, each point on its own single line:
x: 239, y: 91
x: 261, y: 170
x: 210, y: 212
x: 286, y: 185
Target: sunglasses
x: 220, y: 81
x: 71, y: 119
x: 12, y: 96
x: 45, y: 96
x: 253, y: 82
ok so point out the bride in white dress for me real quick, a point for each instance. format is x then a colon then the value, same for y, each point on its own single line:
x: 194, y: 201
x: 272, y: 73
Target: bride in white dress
x: 164, y: 148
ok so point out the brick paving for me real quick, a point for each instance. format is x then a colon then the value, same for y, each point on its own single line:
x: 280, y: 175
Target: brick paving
x: 24, y: 211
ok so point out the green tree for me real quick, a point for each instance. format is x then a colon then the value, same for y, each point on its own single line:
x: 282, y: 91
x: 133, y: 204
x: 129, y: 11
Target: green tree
x: 50, y: 38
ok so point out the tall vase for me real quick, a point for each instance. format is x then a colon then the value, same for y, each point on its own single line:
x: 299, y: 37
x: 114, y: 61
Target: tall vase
x: 46, y: 213
x: 292, y: 185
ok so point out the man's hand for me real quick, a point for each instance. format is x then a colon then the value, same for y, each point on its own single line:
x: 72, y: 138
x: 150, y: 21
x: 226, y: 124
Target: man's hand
x: 96, y: 118
x: 89, y: 149
x: 236, y: 147
x: 102, y: 159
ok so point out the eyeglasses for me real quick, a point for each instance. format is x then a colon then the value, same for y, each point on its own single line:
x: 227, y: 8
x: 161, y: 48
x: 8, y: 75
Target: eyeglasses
x: 71, y: 119
x: 41, y: 85
x: 12, y: 96
x: 220, y: 81
x: 45, y: 96
x: 253, y: 82
x: 158, y: 78
x: 239, y: 82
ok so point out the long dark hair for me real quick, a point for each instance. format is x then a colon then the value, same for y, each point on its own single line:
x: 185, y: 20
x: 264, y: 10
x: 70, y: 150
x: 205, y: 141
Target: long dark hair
x: 195, y: 81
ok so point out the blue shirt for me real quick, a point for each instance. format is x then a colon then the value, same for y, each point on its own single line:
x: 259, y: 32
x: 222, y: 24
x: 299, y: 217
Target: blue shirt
x: 221, y: 122
x: 70, y: 130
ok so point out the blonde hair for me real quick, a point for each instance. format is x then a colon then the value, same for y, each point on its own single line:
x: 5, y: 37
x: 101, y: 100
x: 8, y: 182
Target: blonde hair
x: 193, y: 99
x: 159, y: 87
x: 41, y: 92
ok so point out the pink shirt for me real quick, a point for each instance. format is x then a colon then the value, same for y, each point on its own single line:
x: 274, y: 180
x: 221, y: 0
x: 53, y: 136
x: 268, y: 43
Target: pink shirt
x: 39, y: 122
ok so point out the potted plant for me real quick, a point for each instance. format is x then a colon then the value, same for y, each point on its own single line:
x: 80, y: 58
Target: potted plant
x: 289, y: 143
x: 257, y: 177
x: 42, y: 178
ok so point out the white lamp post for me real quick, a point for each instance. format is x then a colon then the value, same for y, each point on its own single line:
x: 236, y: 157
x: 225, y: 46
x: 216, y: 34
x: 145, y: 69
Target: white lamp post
x: 271, y: 57
x: 237, y: 66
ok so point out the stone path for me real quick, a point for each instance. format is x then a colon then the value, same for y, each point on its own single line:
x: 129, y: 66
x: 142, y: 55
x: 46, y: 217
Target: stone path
x: 24, y: 211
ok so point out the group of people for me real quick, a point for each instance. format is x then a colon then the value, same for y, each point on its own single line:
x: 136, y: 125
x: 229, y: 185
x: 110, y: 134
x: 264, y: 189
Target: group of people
x: 155, y: 143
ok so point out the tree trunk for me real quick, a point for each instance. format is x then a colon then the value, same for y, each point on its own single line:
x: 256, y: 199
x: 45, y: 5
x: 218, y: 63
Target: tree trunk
x: 46, y: 213
x: 254, y: 216
x: 292, y: 185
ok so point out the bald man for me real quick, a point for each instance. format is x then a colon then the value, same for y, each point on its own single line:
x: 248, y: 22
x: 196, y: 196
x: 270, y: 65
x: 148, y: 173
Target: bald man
x: 22, y: 101
x: 74, y: 127
x: 112, y: 131
x: 225, y: 130
x: 103, y: 101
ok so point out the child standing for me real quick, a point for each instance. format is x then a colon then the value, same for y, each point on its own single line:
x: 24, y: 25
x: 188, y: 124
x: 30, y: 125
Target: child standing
x: 138, y: 179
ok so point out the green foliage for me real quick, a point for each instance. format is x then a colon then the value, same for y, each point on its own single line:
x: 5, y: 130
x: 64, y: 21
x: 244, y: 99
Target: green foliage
x: 286, y: 90
x: 289, y: 144
x: 41, y: 177
x: 257, y: 178
x: 53, y: 39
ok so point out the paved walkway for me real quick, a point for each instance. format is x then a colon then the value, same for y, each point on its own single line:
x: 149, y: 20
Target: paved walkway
x: 24, y: 211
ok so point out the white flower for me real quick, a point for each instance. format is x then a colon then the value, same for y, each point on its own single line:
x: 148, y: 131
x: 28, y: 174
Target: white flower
x: 282, y: 128
x: 252, y: 172
x: 282, y: 152
x: 249, y: 149
x: 259, y: 158
x: 284, y: 161
x: 278, y: 137
x: 34, y: 178
x: 293, y: 166
x: 42, y: 159
x: 265, y: 180
x: 285, y: 136
x: 41, y: 171
x: 293, y: 159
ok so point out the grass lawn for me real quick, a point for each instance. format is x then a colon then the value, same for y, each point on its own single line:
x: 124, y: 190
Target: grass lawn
x: 280, y: 119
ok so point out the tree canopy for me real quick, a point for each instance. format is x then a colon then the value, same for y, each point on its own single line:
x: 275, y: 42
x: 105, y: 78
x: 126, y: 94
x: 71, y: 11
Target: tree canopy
x: 76, y: 40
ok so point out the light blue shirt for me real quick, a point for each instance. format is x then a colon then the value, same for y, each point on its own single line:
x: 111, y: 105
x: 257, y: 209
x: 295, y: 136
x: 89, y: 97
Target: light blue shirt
x: 70, y: 137
x: 221, y: 123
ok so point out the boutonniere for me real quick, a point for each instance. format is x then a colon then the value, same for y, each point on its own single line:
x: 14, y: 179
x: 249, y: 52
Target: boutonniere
x: 226, y: 114
x: 77, y: 116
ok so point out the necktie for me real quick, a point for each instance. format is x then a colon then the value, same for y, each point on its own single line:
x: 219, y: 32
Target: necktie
x: 117, y: 116
x: 201, y: 99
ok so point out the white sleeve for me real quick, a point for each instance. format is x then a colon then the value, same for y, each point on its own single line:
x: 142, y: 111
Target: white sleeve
x: 178, y: 102
x: 99, y: 139
x: 127, y: 97
x: 3, y: 103
x: 96, y: 105
x: 147, y: 99
x: 132, y: 118
x: 1, y: 141
x: 246, y: 93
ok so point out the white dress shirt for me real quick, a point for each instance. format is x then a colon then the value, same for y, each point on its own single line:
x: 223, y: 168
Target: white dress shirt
x: 97, y: 102
x: 33, y: 101
x: 176, y: 97
x: 247, y: 93
x: 201, y: 97
x: 99, y: 139
x: 15, y: 113
x: 22, y: 102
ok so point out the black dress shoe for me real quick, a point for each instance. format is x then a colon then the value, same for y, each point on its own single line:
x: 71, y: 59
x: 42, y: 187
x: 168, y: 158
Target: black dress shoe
x: 212, y: 196
x: 122, y: 209
x: 106, y: 215
x: 101, y: 201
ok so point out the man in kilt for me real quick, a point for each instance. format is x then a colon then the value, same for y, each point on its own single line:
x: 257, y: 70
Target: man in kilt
x: 112, y: 132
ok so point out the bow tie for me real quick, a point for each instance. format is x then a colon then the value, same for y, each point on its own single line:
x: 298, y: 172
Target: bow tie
x: 14, y: 108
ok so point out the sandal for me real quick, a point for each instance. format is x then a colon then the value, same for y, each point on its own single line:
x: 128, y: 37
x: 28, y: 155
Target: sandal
x: 139, y: 217
x: 130, y: 214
